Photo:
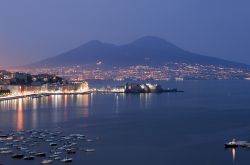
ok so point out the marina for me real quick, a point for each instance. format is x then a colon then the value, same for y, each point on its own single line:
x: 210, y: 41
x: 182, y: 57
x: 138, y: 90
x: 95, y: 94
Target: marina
x: 31, y: 145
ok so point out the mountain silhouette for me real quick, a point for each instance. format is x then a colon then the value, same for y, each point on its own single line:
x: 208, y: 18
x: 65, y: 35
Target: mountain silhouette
x: 147, y: 50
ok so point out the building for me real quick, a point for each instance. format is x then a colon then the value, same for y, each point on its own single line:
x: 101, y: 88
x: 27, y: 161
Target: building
x: 4, y: 92
x: 142, y: 88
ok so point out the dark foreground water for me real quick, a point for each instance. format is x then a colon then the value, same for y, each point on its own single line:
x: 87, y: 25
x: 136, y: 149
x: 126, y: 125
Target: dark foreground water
x: 145, y: 129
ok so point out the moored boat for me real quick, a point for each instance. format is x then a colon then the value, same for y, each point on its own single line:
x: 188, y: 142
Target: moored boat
x: 40, y: 154
x: 29, y: 158
x: 6, y: 152
x: 47, y: 161
x: 67, y: 160
x: 232, y: 144
x: 90, y: 150
x: 17, y: 156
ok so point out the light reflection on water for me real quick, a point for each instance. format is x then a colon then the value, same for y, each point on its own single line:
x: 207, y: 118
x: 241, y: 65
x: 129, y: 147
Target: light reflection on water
x: 117, y: 104
x: 62, y: 108
x: 34, y: 104
x: 180, y: 128
x: 65, y: 112
x: 85, y: 101
x: 233, y: 152
x: 145, y: 100
x: 54, y: 108
x: 195, y: 122
x: 8, y: 105
x: 20, y: 115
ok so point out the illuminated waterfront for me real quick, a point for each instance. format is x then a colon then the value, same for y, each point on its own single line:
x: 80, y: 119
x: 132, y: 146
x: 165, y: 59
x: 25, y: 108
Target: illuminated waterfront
x: 169, y: 71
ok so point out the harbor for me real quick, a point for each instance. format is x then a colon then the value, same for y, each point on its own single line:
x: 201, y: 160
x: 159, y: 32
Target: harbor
x: 43, y: 145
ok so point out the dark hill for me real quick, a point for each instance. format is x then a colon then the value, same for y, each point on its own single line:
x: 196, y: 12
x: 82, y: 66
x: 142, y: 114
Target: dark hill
x: 147, y: 50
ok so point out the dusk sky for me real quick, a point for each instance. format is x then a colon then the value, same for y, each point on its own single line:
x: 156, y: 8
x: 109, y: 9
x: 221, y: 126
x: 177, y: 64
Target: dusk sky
x: 31, y: 30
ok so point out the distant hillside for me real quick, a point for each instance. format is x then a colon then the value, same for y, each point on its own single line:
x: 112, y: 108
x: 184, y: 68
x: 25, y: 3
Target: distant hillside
x: 147, y: 50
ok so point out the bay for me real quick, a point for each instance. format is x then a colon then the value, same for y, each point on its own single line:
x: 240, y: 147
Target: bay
x: 166, y: 128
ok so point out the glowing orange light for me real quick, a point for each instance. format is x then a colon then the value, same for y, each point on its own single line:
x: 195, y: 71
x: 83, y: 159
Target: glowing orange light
x: 20, y: 115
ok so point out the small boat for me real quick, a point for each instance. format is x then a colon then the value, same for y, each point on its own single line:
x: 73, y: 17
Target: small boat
x: 72, y: 144
x: 47, y: 161
x: 22, y: 148
x: 4, y: 149
x: 66, y: 138
x: 9, y: 138
x: 29, y: 158
x: 3, y: 136
x: 48, y: 140
x: 71, y: 151
x: 8, y: 144
x: 17, y: 156
x: 90, y: 150
x: 6, y: 152
x: 67, y: 160
x: 32, y: 153
x: 40, y: 154
x: 52, y: 144
x: 80, y: 138
x: 53, y: 156
x: 76, y: 135
x: 61, y: 148
x: 89, y: 140
x: 57, y: 153
x: 232, y: 144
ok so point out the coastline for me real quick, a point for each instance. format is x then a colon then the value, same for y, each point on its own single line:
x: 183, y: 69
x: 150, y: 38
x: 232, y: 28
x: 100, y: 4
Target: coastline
x: 80, y: 93
x: 40, y: 95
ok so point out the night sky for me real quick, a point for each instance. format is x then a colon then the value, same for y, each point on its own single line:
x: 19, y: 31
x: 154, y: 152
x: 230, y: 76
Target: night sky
x: 31, y: 30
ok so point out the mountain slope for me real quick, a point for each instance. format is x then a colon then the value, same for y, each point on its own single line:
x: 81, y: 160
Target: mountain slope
x: 147, y: 50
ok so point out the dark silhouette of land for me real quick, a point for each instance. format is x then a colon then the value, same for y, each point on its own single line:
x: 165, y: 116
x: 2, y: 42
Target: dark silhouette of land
x: 144, y: 51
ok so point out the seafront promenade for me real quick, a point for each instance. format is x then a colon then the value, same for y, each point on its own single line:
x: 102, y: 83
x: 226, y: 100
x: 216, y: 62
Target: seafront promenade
x: 130, y: 88
x: 48, y: 93
x: 38, y: 95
